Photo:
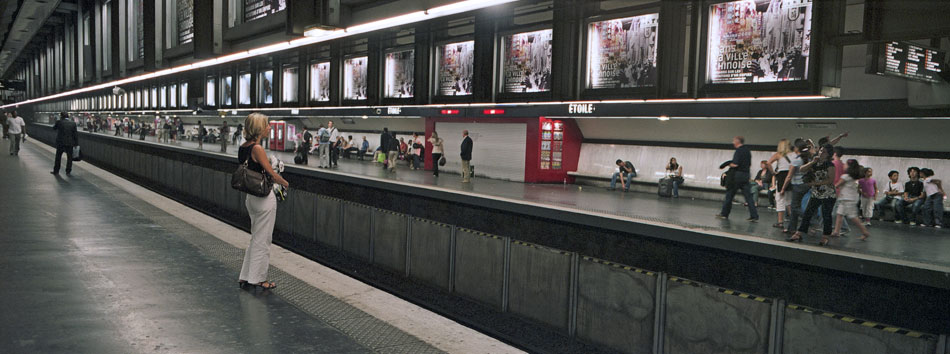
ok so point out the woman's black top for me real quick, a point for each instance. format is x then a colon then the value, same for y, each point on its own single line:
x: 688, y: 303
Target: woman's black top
x: 244, y: 154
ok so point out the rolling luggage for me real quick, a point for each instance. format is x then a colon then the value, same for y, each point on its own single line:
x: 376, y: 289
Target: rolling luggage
x: 665, y: 188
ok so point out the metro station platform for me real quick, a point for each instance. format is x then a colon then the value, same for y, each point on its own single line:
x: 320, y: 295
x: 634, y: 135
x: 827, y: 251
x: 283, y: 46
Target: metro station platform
x: 96, y: 264
x: 898, y: 242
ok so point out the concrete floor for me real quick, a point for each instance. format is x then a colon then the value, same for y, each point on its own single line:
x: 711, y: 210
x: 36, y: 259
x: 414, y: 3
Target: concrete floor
x: 92, y: 270
x: 889, y: 240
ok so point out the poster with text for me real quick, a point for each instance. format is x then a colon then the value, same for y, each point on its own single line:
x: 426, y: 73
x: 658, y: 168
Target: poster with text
x: 758, y: 41
x: 354, y: 78
x: 622, y: 52
x: 456, y: 66
x: 399, y: 74
x: 526, y: 62
x: 320, y: 82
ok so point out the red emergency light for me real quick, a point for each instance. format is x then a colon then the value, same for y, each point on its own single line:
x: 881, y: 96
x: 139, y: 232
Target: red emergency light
x: 493, y: 111
x: 450, y: 111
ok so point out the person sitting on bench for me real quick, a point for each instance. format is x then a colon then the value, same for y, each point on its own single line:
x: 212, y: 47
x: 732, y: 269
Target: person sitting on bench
x: 624, y: 169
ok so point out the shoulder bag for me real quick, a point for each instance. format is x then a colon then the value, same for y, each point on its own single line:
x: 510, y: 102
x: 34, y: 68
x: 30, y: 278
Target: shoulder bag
x: 251, y: 182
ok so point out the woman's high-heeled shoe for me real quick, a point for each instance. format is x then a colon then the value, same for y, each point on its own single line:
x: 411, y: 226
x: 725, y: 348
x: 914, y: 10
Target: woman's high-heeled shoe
x: 797, y: 236
x: 824, y: 241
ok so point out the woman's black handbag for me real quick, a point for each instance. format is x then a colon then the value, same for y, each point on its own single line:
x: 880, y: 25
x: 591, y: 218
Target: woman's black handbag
x: 251, y: 182
x: 442, y: 161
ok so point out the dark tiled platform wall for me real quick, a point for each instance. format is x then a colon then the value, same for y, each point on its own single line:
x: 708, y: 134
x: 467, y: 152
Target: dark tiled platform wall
x: 543, y: 271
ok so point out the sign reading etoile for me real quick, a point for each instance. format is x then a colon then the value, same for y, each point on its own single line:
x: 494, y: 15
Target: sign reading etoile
x: 576, y: 108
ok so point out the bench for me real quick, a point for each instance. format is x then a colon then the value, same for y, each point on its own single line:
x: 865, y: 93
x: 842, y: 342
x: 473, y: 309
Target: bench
x: 642, y: 184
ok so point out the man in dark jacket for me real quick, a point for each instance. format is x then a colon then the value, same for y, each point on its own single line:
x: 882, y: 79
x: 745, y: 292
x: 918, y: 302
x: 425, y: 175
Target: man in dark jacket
x: 391, y: 146
x: 466, y: 156
x: 66, y: 138
x: 741, y: 161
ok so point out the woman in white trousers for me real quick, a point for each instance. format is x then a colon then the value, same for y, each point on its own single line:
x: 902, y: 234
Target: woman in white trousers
x: 262, y: 210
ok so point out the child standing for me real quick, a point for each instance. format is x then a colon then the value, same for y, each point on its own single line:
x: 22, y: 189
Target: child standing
x: 848, y: 199
x: 933, y: 205
x: 868, y: 188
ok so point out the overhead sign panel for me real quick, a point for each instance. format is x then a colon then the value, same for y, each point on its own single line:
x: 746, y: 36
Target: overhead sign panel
x: 752, y: 41
x: 909, y: 61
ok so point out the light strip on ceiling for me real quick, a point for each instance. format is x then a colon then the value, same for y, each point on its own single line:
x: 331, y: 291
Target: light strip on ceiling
x: 314, y: 37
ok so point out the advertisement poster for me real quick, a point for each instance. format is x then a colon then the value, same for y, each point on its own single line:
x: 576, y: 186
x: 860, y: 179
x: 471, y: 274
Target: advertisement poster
x: 354, y: 78
x: 320, y: 82
x: 399, y: 74
x: 266, y: 82
x: 289, y: 83
x: 227, y: 85
x: 456, y: 64
x: 622, y: 52
x: 209, y: 93
x: 183, y: 95
x: 173, y: 96
x: 758, y: 41
x: 526, y: 62
x: 244, y: 89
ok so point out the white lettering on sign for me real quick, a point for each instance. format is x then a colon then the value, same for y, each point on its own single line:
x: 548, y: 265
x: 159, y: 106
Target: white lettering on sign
x: 575, y: 108
x: 393, y: 110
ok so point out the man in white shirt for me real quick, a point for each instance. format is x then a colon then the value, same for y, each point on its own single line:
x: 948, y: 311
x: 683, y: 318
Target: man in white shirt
x: 16, y: 132
x: 893, y: 197
x: 334, y: 146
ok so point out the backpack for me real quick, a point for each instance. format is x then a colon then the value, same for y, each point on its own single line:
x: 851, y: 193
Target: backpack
x: 204, y: 131
x: 324, y: 136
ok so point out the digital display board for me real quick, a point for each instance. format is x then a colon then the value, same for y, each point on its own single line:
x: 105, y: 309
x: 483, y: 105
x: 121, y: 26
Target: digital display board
x: 621, y: 53
x: 186, y: 22
x: 255, y: 9
x: 354, y: 78
x: 526, y: 62
x: 456, y: 63
x: 320, y: 82
x: 909, y: 61
x: 399, y: 77
x: 753, y: 41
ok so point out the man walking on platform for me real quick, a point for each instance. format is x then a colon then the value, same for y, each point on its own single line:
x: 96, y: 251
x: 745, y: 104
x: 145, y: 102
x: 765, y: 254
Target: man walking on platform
x: 67, y: 137
x: 741, y: 161
x: 225, y: 131
x: 466, y: 156
x: 391, y: 147
x: 17, y: 129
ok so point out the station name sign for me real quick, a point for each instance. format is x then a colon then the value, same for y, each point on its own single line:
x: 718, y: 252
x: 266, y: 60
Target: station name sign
x: 581, y: 108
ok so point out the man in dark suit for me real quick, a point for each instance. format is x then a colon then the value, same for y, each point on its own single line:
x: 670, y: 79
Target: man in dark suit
x: 466, y: 156
x: 66, y: 138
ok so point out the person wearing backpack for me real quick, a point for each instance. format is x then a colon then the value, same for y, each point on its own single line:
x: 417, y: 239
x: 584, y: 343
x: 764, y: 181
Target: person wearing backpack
x: 323, y: 150
x: 624, y: 169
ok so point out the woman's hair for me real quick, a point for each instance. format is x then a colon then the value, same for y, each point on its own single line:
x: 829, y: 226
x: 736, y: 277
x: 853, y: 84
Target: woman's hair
x: 672, y: 165
x: 435, y: 135
x: 783, y: 147
x: 254, y: 126
x: 854, y: 169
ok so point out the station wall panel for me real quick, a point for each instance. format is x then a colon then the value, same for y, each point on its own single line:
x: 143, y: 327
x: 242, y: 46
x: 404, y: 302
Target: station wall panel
x: 328, y: 221
x: 207, y: 185
x: 304, y: 211
x: 285, y: 215
x: 807, y: 331
x: 357, y: 230
x: 390, y: 239
x: 480, y: 266
x: 429, y: 252
x: 701, y: 319
x: 615, y: 305
x: 222, y: 184
x: 539, y: 284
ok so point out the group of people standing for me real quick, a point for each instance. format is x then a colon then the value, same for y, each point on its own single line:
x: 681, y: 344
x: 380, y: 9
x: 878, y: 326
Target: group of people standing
x: 812, y: 180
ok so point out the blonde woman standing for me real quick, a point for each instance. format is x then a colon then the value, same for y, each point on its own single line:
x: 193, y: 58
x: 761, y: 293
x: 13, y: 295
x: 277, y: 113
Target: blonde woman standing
x: 437, y: 152
x: 782, y: 162
x: 262, y: 210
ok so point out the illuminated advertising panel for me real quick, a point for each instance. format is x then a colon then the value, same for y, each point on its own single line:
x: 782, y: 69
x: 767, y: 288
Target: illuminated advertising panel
x: 526, y: 62
x: 621, y: 53
x: 320, y: 82
x: 354, y: 78
x: 244, y: 88
x: 265, y: 93
x: 399, y: 74
x: 209, y: 92
x: 289, y: 83
x: 227, y: 92
x: 758, y: 41
x: 456, y: 62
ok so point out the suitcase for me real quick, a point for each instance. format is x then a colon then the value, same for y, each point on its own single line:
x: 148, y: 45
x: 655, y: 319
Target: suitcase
x: 665, y: 188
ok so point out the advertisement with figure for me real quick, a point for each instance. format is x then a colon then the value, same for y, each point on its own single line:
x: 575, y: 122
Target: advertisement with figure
x: 399, y: 74
x: 320, y: 82
x: 759, y: 41
x: 622, y: 52
x: 354, y: 78
x: 526, y: 62
x: 456, y: 65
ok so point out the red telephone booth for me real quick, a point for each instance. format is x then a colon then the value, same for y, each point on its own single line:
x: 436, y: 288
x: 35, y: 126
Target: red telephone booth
x: 277, y: 135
